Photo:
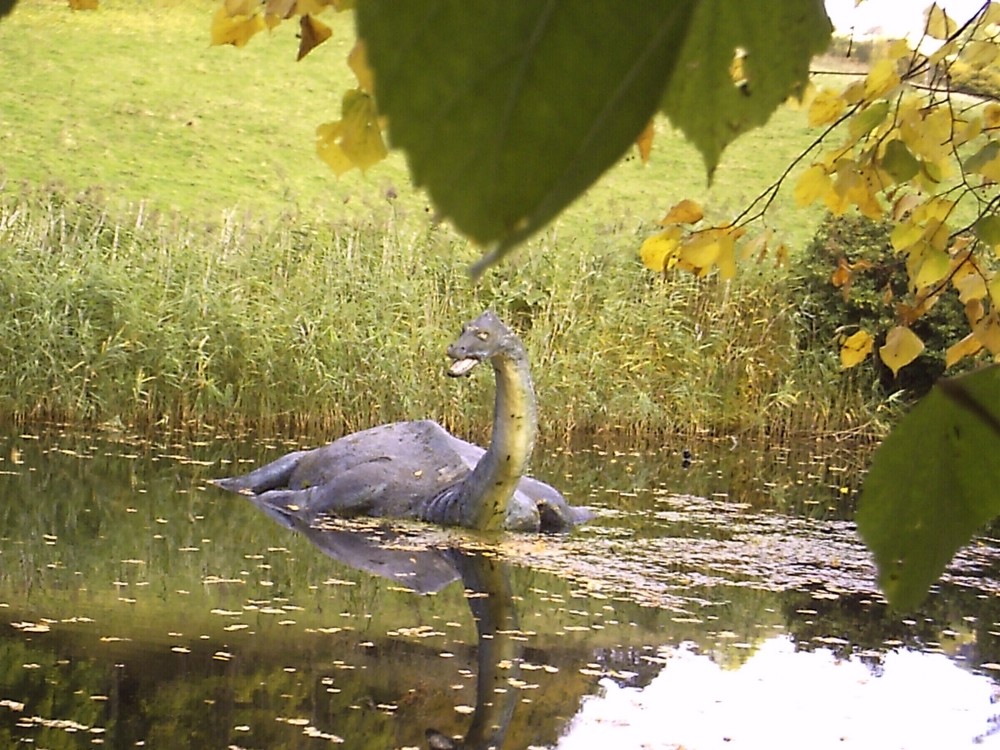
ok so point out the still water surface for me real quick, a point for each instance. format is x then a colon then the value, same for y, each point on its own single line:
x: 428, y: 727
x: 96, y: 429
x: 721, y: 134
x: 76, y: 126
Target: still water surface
x: 723, y: 604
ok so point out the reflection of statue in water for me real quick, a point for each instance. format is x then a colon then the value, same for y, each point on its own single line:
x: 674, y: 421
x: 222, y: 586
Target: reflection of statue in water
x: 419, y: 470
x: 427, y: 570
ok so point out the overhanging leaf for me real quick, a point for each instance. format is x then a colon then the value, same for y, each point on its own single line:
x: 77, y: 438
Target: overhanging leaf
x: 775, y: 42
x: 901, y: 165
x: 901, y: 347
x: 854, y: 348
x: 507, y: 111
x: 933, y: 483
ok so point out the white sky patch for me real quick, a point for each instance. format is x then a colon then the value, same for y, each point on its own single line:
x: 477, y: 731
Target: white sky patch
x: 781, y: 699
x: 896, y: 19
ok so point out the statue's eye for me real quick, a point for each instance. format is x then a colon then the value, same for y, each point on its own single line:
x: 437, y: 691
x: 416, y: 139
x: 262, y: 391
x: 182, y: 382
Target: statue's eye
x: 483, y: 335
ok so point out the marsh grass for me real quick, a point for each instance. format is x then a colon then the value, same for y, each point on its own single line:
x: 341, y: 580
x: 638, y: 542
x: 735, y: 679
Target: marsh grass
x: 150, y: 318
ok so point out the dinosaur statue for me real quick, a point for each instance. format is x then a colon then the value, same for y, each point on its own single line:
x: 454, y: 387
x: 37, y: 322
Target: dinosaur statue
x: 419, y: 470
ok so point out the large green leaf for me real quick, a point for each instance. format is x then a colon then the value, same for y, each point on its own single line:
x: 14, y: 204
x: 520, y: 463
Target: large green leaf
x: 508, y: 110
x: 933, y: 483
x: 740, y: 61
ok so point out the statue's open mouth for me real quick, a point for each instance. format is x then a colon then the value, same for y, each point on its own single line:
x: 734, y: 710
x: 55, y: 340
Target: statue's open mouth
x: 461, y: 367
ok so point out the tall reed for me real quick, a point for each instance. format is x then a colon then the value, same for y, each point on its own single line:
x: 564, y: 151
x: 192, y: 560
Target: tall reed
x: 124, y: 314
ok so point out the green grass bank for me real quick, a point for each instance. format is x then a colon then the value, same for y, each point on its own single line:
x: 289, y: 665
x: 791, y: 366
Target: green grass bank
x: 175, y: 253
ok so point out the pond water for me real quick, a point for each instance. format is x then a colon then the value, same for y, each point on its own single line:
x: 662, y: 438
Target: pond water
x: 721, y: 601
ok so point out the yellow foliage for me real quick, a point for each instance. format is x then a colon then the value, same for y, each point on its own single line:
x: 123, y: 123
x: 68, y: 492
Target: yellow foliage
x: 939, y: 25
x: 660, y: 252
x: 992, y: 15
x: 969, y: 282
x: 357, y: 61
x: 901, y: 347
x: 644, y: 141
x: 236, y: 29
x: 928, y: 134
x: 826, y: 107
x: 280, y: 9
x: 881, y: 79
x: 854, y: 348
x: 934, y: 266
x: 241, y: 7
x: 980, y: 53
x: 960, y: 349
x: 356, y: 139
x: 987, y: 331
x: 83, y: 4
x: 814, y: 184
x: 685, y: 212
x: 991, y: 115
x: 699, y: 253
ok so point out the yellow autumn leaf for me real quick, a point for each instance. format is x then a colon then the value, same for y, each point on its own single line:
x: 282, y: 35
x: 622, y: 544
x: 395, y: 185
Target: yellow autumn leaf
x: 236, y: 30
x: 974, y: 312
x: 939, y: 25
x: 967, y: 347
x: 685, y: 212
x: 727, y: 259
x: 979, y: 53
x: 934, y: 266
x: 987, y: 331
x: 659, y: 253
x: 991, y: 115
x: 901, y: 347
x: 280, y: 9
x: 969, y: 283
x: 356, y: 139
x: 240, y: 7
x: 312, y: 33
x: 991, y: 169
x: 699, y: 252
x: 928, y: 133
x: 812, y: 185
x: 826, y: 107
x: 881, y: 79
x: 854, y: 348
x: 994, y: 286
x: 357, y: 61
x: 644, y: 141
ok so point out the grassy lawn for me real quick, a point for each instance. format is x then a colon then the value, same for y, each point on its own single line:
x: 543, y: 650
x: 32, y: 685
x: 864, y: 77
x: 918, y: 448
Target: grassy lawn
x: 131, y: 99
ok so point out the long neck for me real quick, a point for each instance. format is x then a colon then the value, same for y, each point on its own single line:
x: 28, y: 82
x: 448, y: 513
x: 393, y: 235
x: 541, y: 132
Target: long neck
x: 515, y: 420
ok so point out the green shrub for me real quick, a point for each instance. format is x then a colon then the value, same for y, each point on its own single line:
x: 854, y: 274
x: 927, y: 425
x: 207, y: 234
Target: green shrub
x: 871, y: 302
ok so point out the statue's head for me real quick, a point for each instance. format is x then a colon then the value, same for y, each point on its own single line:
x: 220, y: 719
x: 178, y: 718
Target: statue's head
x: 484, y: 338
